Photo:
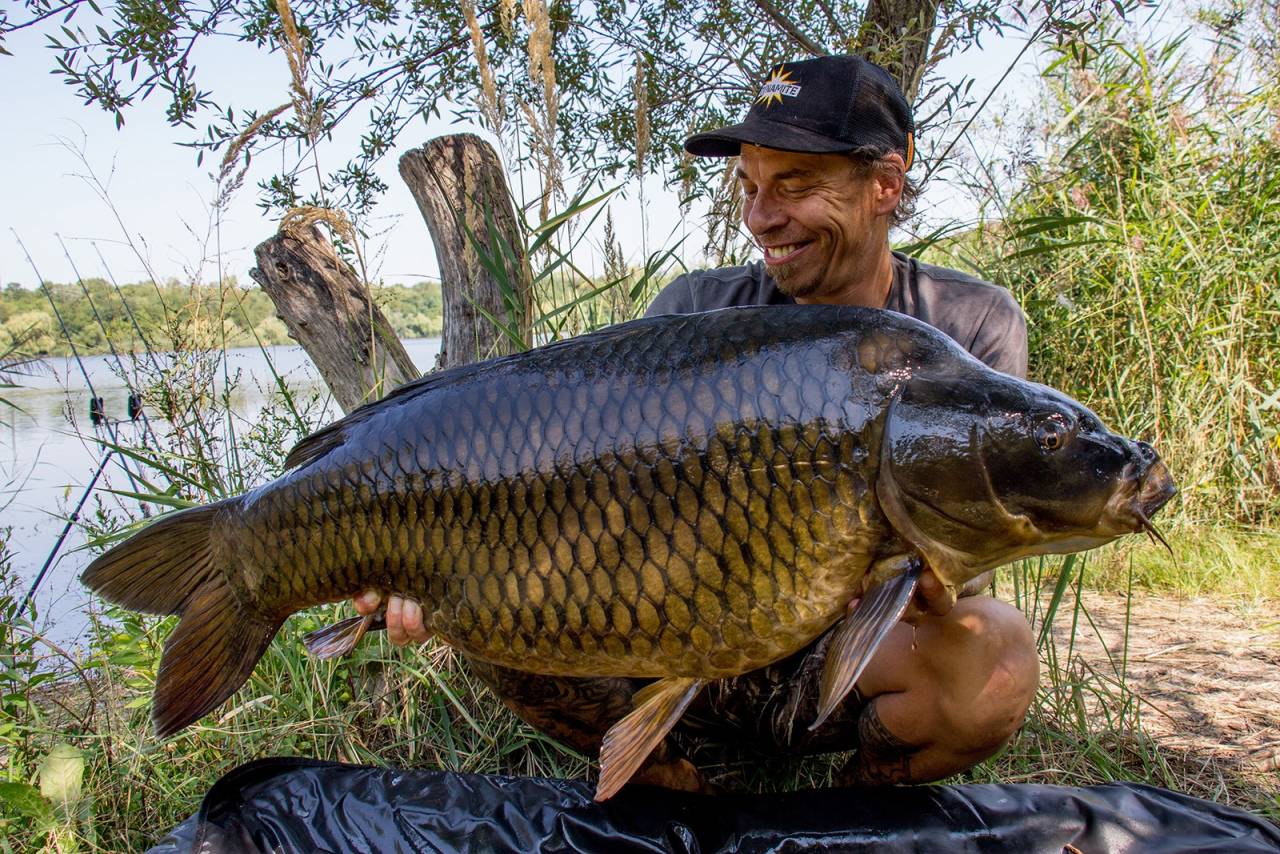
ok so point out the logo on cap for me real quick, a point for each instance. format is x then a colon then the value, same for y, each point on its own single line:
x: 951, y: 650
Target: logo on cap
x: 779, y: 84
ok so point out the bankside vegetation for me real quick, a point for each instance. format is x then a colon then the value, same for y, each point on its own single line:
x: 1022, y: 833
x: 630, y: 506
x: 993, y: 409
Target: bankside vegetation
x: 1142, y: 244
x: 1136, y: 221
x: 99, y: 316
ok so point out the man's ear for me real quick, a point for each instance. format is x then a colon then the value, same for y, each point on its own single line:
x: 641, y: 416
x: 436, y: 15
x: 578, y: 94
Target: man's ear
x: 890, y: 177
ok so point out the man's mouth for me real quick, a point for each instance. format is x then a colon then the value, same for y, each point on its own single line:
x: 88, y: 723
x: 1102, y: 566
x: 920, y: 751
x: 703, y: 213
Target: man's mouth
x: 783, y: 252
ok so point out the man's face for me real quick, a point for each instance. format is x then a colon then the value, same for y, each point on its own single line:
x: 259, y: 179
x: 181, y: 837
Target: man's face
x: 814, y: 216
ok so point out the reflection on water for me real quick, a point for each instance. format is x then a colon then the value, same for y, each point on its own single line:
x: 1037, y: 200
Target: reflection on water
x: 49, y: 454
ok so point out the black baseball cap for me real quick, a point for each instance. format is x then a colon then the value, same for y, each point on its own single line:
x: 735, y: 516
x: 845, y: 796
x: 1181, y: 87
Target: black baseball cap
x: 824, y: 105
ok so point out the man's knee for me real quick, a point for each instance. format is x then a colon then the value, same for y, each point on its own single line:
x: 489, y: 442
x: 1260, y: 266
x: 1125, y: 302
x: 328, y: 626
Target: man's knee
x: 988, y: 674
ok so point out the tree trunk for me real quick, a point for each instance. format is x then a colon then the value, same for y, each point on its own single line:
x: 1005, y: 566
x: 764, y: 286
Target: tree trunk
x: 895, y: 35
x: 459, y: 186
x: 328, y: 309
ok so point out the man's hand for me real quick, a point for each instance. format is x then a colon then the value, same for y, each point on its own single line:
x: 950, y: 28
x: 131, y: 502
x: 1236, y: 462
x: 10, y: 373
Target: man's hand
x: 404, y: 616
x: 932, y: 598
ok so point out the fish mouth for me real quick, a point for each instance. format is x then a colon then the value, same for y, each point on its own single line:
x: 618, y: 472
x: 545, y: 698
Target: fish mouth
x: 1144, y: 486
x: 1151, y: 490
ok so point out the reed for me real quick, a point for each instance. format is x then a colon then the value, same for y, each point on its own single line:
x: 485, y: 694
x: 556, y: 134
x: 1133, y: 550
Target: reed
x: 1142, y: 247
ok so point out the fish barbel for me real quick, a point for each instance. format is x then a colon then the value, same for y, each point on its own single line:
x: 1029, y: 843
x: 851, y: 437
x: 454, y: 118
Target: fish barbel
x: 686, y: 498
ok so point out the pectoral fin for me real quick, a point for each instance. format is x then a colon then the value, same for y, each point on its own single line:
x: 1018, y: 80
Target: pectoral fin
x: 861, y: 632
x: 627, y: 744
x: 342, y: 637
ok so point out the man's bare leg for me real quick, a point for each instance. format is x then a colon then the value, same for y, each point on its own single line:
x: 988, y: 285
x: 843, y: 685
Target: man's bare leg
x: 944, y: 695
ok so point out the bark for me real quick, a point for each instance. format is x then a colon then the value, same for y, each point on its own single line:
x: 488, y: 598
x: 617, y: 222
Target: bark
x: 329, y: 310
x: 895, y: 35
x: 460, y: 187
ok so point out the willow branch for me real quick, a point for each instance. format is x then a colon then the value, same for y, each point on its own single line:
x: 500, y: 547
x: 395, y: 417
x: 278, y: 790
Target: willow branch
x: 789, y: 27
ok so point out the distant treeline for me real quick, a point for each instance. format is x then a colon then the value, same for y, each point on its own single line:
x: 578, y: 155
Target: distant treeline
x: 171, y: 316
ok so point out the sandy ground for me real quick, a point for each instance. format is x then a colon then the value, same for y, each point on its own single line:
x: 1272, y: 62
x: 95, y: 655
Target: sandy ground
x: 1208, y: 674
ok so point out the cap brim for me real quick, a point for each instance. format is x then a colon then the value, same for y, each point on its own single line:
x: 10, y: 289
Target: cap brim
x: 727, y: 142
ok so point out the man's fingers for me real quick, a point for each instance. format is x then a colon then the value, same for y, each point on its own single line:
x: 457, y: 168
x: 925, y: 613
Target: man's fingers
x: 932, y: 599
x: 932, y: 596
x: 411, y: 617
x: 395, y: 621
x: 367, y: 602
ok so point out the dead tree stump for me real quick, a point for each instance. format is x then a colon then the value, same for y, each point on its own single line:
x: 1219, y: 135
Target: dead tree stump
x: 329, y: 310
x: 459, y: 186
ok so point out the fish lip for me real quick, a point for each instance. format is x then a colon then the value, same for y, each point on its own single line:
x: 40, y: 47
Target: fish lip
x: 1142, y: 493
x: 1156, y: 489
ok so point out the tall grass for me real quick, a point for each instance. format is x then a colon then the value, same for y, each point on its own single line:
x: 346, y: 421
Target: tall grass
x: 1143, y: 245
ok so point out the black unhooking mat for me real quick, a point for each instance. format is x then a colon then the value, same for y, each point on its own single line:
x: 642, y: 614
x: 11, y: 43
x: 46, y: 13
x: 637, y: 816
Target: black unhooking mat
x: 287, y: 805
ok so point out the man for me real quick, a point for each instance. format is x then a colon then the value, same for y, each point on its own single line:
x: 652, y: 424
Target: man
x: 822, y: 162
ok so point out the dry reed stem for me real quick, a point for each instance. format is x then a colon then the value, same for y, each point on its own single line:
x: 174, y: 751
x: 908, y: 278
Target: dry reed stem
x: 507, y: 16
x: 229, y: 178
x: 687, y: 173
x: 296, y: 55
x: 725, y: 214
x: 297, y: 220
x: 641, y: 93
x: 542, y: 69
x: 238, y: 144
x: 543, y: 145
x: 489, y: 106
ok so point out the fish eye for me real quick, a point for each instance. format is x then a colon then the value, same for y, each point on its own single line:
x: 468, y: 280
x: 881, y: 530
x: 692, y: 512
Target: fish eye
x: 1051, y: 433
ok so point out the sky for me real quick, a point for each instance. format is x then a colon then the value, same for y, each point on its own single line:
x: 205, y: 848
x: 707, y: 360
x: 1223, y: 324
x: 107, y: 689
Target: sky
x: 159, y: 222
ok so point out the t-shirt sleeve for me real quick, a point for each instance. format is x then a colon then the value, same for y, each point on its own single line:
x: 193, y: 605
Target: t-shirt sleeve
x: 675, y: 298
x: 1001, y: 340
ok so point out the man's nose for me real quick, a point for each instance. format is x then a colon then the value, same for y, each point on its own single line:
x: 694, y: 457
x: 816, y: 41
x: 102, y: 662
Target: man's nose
x: 762, y: 214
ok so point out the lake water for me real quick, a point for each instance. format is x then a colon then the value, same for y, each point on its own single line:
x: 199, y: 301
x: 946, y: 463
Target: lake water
x: 49, y: 454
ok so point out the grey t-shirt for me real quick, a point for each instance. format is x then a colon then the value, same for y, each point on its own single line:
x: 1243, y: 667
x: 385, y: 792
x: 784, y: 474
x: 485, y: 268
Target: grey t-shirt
x: 982, y: 317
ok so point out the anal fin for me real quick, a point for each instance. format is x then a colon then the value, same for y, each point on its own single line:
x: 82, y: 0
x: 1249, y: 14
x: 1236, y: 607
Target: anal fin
x: 341, y: 637
x: 627, y: 744
x: 860, y: 634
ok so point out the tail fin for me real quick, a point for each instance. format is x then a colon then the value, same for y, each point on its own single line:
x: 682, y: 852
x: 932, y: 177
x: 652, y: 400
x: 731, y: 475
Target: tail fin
x: 168, y: 568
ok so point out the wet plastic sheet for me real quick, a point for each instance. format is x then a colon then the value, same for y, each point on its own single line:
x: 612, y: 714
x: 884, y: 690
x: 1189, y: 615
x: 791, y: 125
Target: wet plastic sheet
x: 286, y: 805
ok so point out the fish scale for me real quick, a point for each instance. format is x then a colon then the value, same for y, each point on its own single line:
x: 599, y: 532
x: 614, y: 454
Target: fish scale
x: 683, y: 497
x: 566, y: 508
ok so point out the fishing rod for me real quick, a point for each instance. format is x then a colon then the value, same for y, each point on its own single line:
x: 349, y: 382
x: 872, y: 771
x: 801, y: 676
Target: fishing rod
x: 134, y: 394
x: 66, y: 529
x: 149, y: 347
x: 75, y: 351
x: 133, y: 320
x: 57, y: 547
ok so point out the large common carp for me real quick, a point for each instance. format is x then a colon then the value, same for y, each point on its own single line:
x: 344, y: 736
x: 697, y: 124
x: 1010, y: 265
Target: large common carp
x: 688, y: 498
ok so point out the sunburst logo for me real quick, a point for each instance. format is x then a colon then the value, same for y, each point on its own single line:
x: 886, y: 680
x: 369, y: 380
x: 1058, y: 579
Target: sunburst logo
x: 778, y: 85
